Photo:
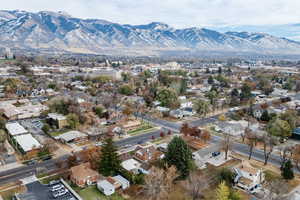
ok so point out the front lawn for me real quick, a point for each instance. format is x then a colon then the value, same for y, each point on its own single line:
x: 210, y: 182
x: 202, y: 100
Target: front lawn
x: 46, y: 179
x: 8, y: 195
x: 92, y: 193
x: 141, y: 129
x: 57, y: 133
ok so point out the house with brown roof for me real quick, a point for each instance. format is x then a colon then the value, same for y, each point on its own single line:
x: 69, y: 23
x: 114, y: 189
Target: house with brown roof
x: 131, y: 124
x: 109, y: 185
x: 194, y: 142
x: 147, y: 154
x: 83, y: 175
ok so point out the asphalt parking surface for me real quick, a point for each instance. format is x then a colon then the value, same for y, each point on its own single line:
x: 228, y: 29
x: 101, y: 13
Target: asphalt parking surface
x: 43, y: 192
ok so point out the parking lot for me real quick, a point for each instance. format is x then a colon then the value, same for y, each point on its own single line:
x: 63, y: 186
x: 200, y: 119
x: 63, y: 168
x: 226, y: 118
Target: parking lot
x: 52, y: 191
x: 34, y: 126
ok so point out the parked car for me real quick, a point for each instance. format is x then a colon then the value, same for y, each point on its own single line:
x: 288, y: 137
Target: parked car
x: 31, y: 162
x: 234, y: 109
x: 215, y: 154
x: 60, y: 193
x: 54, y: 182
x: 57, y: 187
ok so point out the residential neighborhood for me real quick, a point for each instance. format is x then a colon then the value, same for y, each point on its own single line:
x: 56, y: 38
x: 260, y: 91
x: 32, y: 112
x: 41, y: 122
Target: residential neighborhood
x: 149, y: 130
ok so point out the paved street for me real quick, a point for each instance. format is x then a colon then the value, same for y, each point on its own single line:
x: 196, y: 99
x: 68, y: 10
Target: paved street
x: 25, y: 171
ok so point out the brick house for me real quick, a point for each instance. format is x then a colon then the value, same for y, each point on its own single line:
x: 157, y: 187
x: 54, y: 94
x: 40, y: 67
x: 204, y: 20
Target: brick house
x: 83, y: 175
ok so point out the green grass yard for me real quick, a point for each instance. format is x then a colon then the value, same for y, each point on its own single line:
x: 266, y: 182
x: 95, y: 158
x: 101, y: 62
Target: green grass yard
x: 145, y: 127
x: 57, y: 133
x: 92, y: 193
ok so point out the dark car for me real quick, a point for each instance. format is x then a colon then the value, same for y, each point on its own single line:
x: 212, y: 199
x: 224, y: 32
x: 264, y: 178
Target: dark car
x: 215, y: 154
x: 285, y: 99
x: 31, y: 162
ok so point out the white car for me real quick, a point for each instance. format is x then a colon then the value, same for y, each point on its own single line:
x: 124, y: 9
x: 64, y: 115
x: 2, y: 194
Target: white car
x: 60, y: 193
x: 98, y: 144
x: 234, y: 109
x: 57, y: 187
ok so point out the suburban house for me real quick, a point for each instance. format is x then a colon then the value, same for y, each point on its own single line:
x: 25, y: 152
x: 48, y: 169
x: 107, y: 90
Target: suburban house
x: 163, y: 147
x: 59, y: 120
x: 247, y: 177
x: 234, y: 128
x: 72, y: 136
x: 186, y: 104
x: 279, y: 92
x: 95, y: 133
x: 106, y: 187
x: 83, y: 175
x: 130, y: 125
x: 148, y: 154
x: 188, y: 111
x: 193, y: 142
x: 109, y: 185
x: 119, y: 182
x: 133, y: 166
x: 176, y: 114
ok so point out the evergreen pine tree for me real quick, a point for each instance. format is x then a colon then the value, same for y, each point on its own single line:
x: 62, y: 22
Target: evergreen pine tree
x: 287, y: 170
x: 179, y: 155
x: 109, y: 164
x: 265, y: 116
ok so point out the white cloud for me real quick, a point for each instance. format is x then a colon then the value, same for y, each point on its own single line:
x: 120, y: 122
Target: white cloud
x: 178, y: 13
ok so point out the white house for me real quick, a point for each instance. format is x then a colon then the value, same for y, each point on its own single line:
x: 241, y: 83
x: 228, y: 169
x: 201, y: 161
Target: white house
x: 247, y: 177
x: 106, y: 187
x: 176, y: 113
x: 122, y: 181
x: 131, y: 165
x: 186, y: 104
x: 232, y: 128
x: 279, y: 92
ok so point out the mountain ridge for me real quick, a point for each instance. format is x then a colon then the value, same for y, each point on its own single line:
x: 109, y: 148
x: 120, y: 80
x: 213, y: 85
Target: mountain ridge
x: 61, y: 31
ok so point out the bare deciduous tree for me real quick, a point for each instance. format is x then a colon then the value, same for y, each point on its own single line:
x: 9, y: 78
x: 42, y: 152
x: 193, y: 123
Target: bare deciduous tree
x: 226, y: 144
x: 269, y: 142
x: 159, y: 183
x: 276, y: 190
x: 251, y: 141
x: 296, y: 155
x: 195, y: 185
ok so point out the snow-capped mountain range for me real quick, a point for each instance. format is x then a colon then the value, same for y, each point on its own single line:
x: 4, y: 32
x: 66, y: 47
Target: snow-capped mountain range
x: 60, y: 31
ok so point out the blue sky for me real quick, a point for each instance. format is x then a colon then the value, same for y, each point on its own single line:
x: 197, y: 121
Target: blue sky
x: 217, y: 14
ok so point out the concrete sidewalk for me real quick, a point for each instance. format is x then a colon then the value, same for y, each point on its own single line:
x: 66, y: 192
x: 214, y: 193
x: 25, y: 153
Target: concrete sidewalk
x: 10, y: 166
